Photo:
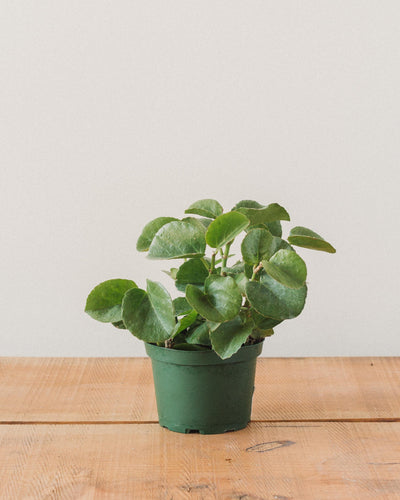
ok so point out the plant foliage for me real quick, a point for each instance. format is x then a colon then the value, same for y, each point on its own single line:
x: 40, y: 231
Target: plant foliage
x: 220, y: 307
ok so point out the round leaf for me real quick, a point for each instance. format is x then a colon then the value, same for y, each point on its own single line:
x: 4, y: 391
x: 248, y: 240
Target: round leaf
x: 287, y: 267
x: 181, y: 306
x: 257, y: 245
x: 220, y: 302
x: 205, y: 208
x: 303, y: 237
x: 149, y: 315
x: 270, y: 298
x: 229, y: 337
x: 193, y: 271
x: 178, y: 239
x: 104, y: 301
x: 225, y: 228
x: 271, y: 213
x: 149, y: 231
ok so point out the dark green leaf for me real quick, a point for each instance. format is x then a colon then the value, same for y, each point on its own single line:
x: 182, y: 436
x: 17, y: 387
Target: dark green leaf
x: 181, y: 306
x: 271, y: 213
x: 225, y: 228
x: 119, y: 324
x: 193, y: 271
x: 275, y: 228
x: 303, y: 237
x: 178, y: 239
x: 220, y: 302
x: 287, y: 267
x: 104, y: 301
x: 184, y: 323
x: 199, y: 335
x: 270, y: 298
x: 257, y: 245
x: 263, y: 323
x: 205, y: 208
x: 149, y: 231
x: 229, y: 337
x: 149, y: 316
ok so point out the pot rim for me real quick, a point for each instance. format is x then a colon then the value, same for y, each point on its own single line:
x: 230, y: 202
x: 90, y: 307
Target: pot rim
x: 209, y: 357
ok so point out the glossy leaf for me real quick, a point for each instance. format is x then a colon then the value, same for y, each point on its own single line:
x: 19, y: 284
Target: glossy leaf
x: 193, y: 271
x: 257, y: 245
x: 247, y: 204
x: 220, y: 302
x: 272, y: 299
x: 205, y: 208
x: 225, y: 228
x: 303, y: 237
x: 178, y: 239
x: 181, y: 306
x: 104, y: 301
x: 280, y: 244
x: 184, y: 323
x: 262, y: 322
x: 149, y: 315
x: 199, y: 335
x: 287, y: 267
x: 271, y: 213
x: 119, y: 324
x: 229, y: 337
x: 149, y: 231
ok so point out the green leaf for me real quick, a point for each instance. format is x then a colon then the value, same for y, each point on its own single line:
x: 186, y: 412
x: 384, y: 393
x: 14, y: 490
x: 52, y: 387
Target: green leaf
x: 149, y: 315
x: 303, y: 237
x: 200, y: 335
x: 280, y: 244
x: 172, y: 272
x: 205, y: 208
x: 263, y: 323
x: 184, y: 323
x: 225, y: 228
x: 275, y: 228
x: 119, y: 324
x: 181, y: 306
x: 149, y: 231
x: 229, y: 337
x: 178, y: 239
x: 104, y: 301
x: 271, y: 213
x: 270, y: 298
x: 256, y: 333
x: 220, y: 302
x: 241, y: 280
x: 257, y: 245
x: 287, y: 267
x: 247, y: 204
x: 194, y: 271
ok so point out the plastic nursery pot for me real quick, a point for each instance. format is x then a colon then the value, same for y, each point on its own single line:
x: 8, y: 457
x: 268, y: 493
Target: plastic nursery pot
x: 198, y: 392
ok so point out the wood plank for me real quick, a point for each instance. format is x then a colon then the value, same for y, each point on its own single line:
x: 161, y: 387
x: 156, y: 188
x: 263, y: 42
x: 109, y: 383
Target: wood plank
x: 121, y: 389
x: 265, y: 461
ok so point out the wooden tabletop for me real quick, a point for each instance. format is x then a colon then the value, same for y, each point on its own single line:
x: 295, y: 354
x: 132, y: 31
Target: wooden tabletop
x: 85, y: 428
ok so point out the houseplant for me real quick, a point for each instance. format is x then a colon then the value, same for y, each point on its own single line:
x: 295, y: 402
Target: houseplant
x: 204, y: 343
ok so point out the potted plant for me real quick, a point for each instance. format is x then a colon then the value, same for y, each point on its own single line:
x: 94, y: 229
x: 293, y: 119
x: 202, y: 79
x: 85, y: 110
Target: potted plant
x: 204, y: 343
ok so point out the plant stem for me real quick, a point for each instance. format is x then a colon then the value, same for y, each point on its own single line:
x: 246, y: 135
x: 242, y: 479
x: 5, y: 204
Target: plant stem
x: 225, y: 256
x: 255, y: 271
x: 212, y: 267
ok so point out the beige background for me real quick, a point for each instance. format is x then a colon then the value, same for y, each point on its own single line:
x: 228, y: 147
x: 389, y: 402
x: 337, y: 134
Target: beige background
x: 113, y: 113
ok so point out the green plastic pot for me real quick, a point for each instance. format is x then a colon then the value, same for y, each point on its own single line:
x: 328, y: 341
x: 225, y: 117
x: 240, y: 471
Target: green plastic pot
x: 198, y: 392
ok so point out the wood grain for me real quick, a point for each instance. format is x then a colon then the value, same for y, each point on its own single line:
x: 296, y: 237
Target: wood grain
x: 121, y: 389
x: 326, y: 461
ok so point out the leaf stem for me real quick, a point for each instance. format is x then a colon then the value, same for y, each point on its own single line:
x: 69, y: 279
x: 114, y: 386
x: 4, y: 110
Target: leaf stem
x: 255, y: 271
x: 212, y: 267
x: 225, y: 256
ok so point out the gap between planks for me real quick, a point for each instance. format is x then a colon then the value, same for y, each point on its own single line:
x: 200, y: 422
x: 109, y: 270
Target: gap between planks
x: 147, y: 422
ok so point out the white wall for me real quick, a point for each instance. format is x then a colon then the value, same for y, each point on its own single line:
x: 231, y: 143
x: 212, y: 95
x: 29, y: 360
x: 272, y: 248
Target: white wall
x: 113, y: 113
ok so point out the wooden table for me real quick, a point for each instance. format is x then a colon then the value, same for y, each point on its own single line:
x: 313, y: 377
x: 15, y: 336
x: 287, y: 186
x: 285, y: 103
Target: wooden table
x: 83, y: 428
